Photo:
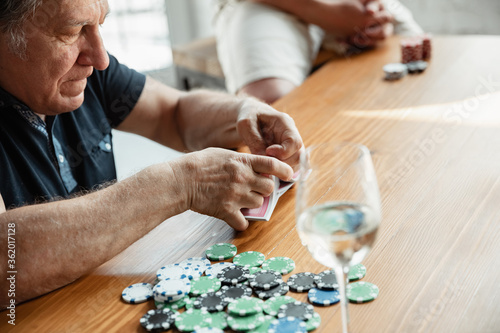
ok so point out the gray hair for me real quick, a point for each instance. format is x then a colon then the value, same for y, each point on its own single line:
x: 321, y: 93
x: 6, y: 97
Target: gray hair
x: 13, y: 14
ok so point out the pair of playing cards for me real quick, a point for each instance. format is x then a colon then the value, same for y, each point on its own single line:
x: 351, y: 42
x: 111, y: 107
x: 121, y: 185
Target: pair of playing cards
x: 263, y: 213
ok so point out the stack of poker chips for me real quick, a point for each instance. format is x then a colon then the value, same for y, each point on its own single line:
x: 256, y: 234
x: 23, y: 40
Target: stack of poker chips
x: 415, y: 48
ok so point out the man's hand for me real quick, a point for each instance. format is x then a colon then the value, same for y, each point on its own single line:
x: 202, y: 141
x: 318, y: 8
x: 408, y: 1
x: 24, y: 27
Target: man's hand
x: 269, y: 132
x: 219, y: 182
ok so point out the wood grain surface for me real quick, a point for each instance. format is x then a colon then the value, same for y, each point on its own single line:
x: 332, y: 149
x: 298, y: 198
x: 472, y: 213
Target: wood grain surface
x: 435, y: 142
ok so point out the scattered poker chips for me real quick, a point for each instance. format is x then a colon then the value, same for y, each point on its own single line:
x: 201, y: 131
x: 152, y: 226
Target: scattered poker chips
x: 287, y: 324
x: 221, y: 251
x: 280, y: 290
x: 232, y: 293
x: 262, y: 328
x: 245, y: 306
x: 264, y: 279
x: 326, y: 280
x: 138, y: 293
x: 193, y: 319
x: 395, y: 71
x: 249, y: 259
x: 282, y: 265
x: 296, y: 309
x: 174, y: 272
x: 197, y: 264
x: 203, y: 285
x: 172, y: 305
x: 301, y: 282
x: 323, y: 297
x: 189, y: 302
x: 233, y: 275
x: 246, y: 323
x: 361, y: 292
x: 356, y: 272
x: 217, y: 268
x: 212, y: 302
x: 273, y: 304
x: 159, y: 319
x: 314, y: 322
x: 171, y: 290
x: 219, y: 320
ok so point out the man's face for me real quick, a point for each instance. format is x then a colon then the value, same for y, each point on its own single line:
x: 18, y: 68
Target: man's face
x: 64, y: 46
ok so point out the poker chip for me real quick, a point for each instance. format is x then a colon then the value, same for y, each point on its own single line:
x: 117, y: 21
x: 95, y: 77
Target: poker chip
x: 301, y: 282
x: 172, y: 305
x: 219, y: 320
x: 212, y: 302
x: 356, y: 272
x: 314, y: 322
x: 245, y: 306
x: 280, y: 290
x: 221, y: 251
x: 395, y: 71
x: 426, y: 46
x: 233, y: 275
x: 209, y: 330
x: 159, y: 319
x: 193, y: 319
x: 232, y: 293
x: 264, y: 326
x: 174, y: 272
x: 326, y: 280
x: 217, y: 268
x: 287, y: 325
x: 204, y: 284
x: 246, y: 323
x: 323, y: 297
x: 172, y: 289
x: 296, y: 309
x: 264, y: 279
x: 417, y: 66
x: 273, y: 304
x: 198, y: 264
x: 189, y: 302
x: 361, y: 292
x: 282, y: 265
x: 249, y: 259
x: 138, y: 293
x: 254, y: 269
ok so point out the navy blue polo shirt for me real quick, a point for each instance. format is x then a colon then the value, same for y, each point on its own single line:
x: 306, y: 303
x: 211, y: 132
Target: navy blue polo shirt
x: 68, y: 153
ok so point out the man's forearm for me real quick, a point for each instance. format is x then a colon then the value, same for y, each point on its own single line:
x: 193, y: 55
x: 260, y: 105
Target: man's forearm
x: 58, y: 242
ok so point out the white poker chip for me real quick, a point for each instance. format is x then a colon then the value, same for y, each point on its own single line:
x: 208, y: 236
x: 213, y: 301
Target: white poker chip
x: 217, y: 268
x: 172, y: 288
x: 208, y: 330
x: 175, y: 272
x: 197, y: 264
x: 138, y: 293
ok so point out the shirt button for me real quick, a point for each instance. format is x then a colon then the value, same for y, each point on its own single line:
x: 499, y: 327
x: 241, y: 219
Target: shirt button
x: 61, y: 158
x: 108, y: 146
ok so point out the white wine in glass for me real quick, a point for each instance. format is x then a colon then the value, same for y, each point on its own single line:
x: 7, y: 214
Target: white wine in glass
x: 338, y: 208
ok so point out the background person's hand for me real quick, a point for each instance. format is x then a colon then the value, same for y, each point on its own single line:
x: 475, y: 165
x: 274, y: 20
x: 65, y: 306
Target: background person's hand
x: 269, y: 132
x: 220, y: 182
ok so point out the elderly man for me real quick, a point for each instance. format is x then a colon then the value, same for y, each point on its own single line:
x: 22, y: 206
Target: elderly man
x: 60, y: 96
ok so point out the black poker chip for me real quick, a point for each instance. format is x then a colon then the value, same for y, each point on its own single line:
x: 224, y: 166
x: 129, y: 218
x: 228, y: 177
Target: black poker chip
x: 265, y: 279
x: 301, y: 282
x: 326, y: 281
x: 280, y: 290
x: 296, y: 309
x: 212, y: 302
x: 233, y: 275
x: 231, y: 293
x: 158, y: 320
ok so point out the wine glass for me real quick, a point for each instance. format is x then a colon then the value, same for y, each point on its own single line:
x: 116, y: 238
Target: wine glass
x: 338, y: 208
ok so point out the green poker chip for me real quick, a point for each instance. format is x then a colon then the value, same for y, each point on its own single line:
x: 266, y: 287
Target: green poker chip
x: 314, y: 322
x: 219, y: 320
x: 221, y: 251
x: 245, y: 306
x: 193, y: 319
x: 254, y: 269
x: 264, y: 326
x: 204, y: 285
x: 247, y: 323
x: 249, y: 259
x: 172, y: 305
x: 357, y: 272
x: 272, y: 305
x: 361, y: 292
x: 282, y: 265
x: 189, y: 302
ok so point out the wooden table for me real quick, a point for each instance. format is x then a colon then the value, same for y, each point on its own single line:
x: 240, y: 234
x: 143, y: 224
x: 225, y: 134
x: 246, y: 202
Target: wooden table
x: 435, y: 139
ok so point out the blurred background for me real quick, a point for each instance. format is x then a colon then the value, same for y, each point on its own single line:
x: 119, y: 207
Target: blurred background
x: 143, y: 34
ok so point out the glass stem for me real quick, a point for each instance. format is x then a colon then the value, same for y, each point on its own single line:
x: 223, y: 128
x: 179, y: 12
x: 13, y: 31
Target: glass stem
x: 341, y: 273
